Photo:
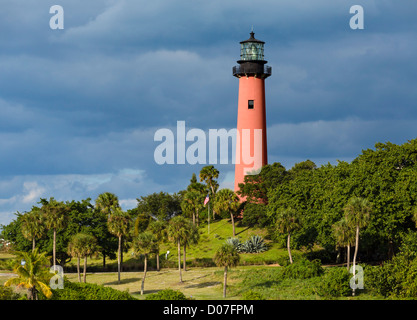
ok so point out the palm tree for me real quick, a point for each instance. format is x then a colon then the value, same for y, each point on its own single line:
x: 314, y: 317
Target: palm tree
x: 287, y: 222
x: 119, y: 223
x: 193, y: 202
x: 178, y: 230
x: 82, y: 245
x: 226, y: 256
x: 75, y: 250
x: 357, y: 213
x: 32, y: 225
x: 208, y: 174
x: 55, y: 219
x: 106, y: 202
x: 159, y: 229
x: 191, y: 237
x: 145, y: 243
x: 227, y: 200
x: 30, y: 270
x: 345, y: 236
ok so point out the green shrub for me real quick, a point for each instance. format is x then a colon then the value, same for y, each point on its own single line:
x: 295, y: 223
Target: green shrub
x: 88, y: 291
x: 335, y: 283
x: 167, y: 294
x: 252, y: 295
x: 7, y: 293
x: 303, y: 269
x: 395, y: 278
x: 284, y: 260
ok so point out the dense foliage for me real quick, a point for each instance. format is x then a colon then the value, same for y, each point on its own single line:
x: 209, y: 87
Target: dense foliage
x: 167, y: 294
x: 88, y: 291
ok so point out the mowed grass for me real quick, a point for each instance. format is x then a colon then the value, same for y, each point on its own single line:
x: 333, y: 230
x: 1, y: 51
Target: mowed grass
x: 198, y: 283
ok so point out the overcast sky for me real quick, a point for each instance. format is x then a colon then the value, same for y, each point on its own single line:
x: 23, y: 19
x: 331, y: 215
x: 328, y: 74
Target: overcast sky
x: 80, y: 106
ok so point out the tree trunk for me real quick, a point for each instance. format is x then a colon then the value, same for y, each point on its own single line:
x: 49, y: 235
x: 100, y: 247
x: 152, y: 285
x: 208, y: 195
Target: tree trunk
x: 85, y: 269
x: 198, y: 220
x: 54, y: 247
x: 78, y: 268
x: 354, y: 255
x: 224, y: 282
x: 31, y: 293
x: 104, y: 260
x: 348, y: 257
x: 288, y: 246
x: 157, y: 260
x: 121, y: 255
x: 193, y: 219
x: 33, y: 244
x: 179, y: 259
x: 145, y: 269
x: 233, y: 224
x: 119, y: 258
x: 184, y: 258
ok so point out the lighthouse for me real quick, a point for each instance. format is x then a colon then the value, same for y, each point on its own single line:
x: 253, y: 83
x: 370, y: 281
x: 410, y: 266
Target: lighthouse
x: 251, y: 145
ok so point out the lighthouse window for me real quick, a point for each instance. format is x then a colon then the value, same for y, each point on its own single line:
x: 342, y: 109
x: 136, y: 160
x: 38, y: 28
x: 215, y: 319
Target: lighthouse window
x: 250, y: 104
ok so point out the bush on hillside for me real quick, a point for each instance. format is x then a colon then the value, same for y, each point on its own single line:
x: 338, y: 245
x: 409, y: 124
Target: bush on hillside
x: 167, y: 294
x: 7, y: 293
x: 335, y: 283
x: 88, y: 291
x: 396, y: 278
x: 303, y: 269
x: 252, y: 295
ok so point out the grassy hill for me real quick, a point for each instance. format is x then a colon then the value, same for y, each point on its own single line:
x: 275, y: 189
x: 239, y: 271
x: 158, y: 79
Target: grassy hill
x: 201, y: 254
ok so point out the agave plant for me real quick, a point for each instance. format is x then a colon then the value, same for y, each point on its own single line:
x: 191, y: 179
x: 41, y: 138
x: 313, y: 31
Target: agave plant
x: 255, y: 244
x: 235, y: 242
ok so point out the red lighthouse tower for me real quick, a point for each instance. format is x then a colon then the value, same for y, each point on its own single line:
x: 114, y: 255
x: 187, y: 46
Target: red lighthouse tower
x: 251, y: 146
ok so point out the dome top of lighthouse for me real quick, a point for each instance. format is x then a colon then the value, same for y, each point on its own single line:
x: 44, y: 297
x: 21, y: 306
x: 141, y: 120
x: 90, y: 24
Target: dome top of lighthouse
x: 252, y: 39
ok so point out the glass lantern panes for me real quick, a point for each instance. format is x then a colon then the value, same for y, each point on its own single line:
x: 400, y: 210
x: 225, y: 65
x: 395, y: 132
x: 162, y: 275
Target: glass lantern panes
x: 252, y: 51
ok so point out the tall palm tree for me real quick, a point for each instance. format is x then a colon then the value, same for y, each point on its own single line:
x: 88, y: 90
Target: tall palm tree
x: 357, y: 213
x: 227, y: 200
x: 75, y: 250
x: 226, y: 256
x: 191, y: 237
x: 209, y: 174
x: 55, y: 219
x: 287, y: 222
x: 345, y: 236
x: 30, y: 270
x: 119, y: 223
x: 33, y: 225
x: 145, y: 243
x: 106, y: 202
x: 90, y: 247
x: 178, y: 230
x: 82, y: 245
x: 159, y: 230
